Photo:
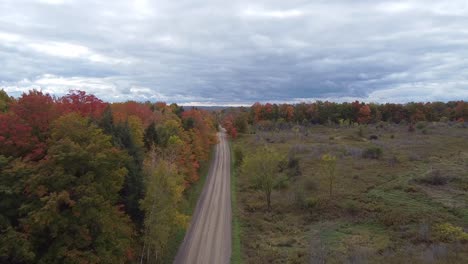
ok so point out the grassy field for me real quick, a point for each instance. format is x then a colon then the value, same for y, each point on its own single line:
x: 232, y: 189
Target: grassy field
x: 398, y: 197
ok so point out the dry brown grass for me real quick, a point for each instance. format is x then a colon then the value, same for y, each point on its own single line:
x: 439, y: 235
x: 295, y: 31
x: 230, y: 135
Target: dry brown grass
x: 378, y: 206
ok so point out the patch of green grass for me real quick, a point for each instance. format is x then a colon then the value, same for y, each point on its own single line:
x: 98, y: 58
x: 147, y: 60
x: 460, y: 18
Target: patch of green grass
x: 342, y: 236
x: 332, y: 237
x: 463, y: 212
x: 236, y: 256
x: 416, y: 203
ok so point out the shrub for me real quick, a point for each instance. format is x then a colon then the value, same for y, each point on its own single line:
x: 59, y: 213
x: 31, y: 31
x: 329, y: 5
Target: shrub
x: 293, y: 167
x: 281, y: 182
x: 311, y: 202
x: 351, y: 207
x: 421, y: 125
x: 449, y: 233
x: 434, y: 177
x: 394, y: 217
x: 372, y: 153
x: 303, y: 201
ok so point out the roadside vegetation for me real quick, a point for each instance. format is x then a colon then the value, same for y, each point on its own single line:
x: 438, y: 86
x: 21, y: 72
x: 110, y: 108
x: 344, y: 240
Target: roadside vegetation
x: 236, y: 163
x: 353, y: 191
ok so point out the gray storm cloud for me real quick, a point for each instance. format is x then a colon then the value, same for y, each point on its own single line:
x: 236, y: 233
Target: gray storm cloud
x: 237, y: 52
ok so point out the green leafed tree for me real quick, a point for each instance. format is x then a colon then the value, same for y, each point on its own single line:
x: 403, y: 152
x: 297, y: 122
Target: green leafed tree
x: 74, y: 213
x: 262, y: 167
x: 5, y: 101
x: 15, y: 247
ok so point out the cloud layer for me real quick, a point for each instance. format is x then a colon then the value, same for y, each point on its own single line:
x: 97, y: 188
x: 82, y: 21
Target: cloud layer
x: 237, y: 52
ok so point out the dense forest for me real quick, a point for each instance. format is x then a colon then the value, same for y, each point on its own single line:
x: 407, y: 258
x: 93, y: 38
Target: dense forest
x: 85, y: 181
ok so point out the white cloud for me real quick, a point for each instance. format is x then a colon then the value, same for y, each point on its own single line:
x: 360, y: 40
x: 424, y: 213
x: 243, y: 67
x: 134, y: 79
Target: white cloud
x: 264, y: 13
x: 53, y: 2
x: 60, y: 49
x: 395, y: 7
x: 9, y: 37
x: 73, y: 51
x: 143, y: 8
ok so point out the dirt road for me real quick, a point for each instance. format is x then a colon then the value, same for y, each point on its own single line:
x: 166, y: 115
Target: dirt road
x: 208, y: 239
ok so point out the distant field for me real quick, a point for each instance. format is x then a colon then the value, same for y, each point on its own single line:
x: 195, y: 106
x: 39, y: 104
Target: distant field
x: 400, y: 197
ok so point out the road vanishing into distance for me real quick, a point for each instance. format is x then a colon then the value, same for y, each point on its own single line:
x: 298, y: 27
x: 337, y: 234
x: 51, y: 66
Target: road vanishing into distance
x: 208, y: 239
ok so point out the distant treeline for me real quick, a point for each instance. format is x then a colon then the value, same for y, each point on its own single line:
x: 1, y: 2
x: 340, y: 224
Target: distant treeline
x: 343, y: 113
x: 84, y: 181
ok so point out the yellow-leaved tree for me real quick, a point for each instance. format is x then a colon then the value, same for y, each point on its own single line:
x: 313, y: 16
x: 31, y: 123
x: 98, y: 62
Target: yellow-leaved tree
x: 163, y: 194
x: 262, y: 167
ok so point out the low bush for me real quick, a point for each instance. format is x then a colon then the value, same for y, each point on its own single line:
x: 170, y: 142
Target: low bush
x: 449, y: 233
x: 434, y: 177
x: 372, y: 153
x: 311, y: 202
x: 394, y: 217
x: 293, y: 168
x: 303, y: 200
x: 421, y: 125
x: 281, y: 182
x: 351, y: 207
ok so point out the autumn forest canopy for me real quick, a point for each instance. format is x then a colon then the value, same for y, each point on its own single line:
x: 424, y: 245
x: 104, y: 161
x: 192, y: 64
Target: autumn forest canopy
x: 84, y: 181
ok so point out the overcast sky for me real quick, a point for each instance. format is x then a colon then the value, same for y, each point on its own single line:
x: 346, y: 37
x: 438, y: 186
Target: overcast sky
x: 237, y: 52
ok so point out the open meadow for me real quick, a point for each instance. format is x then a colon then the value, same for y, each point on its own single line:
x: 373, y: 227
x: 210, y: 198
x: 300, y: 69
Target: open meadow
x: 397, y: 195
